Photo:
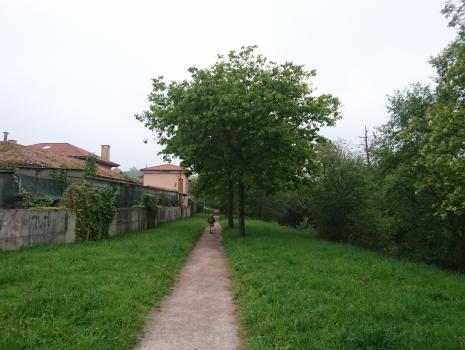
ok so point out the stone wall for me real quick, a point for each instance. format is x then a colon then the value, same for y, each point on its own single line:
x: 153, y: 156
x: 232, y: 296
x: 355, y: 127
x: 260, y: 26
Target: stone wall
x: 128, y: 219
x: 30, y: 227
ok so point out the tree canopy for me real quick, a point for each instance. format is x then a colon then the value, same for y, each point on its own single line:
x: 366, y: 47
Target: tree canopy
x: 245, y: 120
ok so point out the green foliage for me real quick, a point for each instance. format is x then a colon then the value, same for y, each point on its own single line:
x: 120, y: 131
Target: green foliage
x: 245, y: 120
x: 443, y: 156
x: 379, y: 206
x: 308, y: 227
x: 455, y: 12
x: 151, y: 204
x: 90, y: 295
x: 295, y: 292
x: 379, y: 338
x: 415, y: 230
x: 438, y: 158
x: 286, y: 207
x: 90, y: 169
x: 28, y: 201
x: 209, y: 190
x: 412, y: 201
x: 443, y: 148
x: 344, y: 202
x: 95, y: 208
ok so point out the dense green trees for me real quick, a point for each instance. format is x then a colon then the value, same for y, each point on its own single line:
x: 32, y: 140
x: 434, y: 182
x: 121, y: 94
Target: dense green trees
x: 396, y: 151
x: 344, y: 203
x: 410, y: 199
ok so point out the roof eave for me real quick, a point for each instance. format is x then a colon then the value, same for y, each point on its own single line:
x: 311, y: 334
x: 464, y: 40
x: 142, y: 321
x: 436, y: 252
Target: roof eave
x: 99, y: 161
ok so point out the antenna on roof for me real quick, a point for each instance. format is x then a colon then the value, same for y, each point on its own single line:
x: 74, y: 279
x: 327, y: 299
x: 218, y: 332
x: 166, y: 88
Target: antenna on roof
x: 5, y: 136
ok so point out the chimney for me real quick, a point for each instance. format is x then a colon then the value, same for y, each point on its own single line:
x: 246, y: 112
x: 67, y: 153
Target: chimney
x: 105, y: 153
x: 5, y: 136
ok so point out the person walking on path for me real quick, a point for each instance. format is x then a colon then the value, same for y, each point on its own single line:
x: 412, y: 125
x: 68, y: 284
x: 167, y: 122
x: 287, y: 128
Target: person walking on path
x: 211, y: 222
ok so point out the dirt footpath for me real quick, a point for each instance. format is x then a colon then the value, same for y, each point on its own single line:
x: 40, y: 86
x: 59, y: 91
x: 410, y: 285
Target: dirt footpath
x: 200, y: 313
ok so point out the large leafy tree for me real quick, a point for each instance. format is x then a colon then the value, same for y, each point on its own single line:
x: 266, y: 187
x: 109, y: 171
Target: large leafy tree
x: 246, y: 121
x: 443, y: 151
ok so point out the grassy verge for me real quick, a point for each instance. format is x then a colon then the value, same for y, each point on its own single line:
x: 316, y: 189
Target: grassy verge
x: 90, y: 295
x: 295, y: 292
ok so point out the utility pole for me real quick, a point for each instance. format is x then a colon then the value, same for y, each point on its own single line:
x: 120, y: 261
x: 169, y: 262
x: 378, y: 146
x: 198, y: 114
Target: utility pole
x: 365, y: 144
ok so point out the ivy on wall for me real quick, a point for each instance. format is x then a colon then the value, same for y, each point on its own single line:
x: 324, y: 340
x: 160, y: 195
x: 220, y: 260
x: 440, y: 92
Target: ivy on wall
x: 28, y: 201
x: 90, y: 169
x: 95, y: 208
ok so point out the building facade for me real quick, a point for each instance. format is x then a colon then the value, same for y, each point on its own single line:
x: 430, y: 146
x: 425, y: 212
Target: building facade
x: 168, y: 177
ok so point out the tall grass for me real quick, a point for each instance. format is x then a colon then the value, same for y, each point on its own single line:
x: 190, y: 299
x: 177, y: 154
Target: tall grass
x: 296, y: 292
x: 90, y: 295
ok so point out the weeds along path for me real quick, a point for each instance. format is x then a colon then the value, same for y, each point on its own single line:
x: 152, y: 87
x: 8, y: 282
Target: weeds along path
x: 91, y: 295
x: 200, y: 313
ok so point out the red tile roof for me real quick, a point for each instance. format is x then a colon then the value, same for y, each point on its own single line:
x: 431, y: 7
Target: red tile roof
x: 166, y: 167
x: 13, y: 155
x: 69, y: 150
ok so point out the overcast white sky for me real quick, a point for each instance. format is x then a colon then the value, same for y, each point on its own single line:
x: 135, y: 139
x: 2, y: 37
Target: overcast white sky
x: 78, y: 71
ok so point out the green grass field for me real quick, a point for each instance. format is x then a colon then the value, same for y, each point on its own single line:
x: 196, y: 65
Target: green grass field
x: 295, y: 292
x: 91, y: 295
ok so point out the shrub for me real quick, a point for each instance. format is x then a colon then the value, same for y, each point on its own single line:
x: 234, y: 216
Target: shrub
x: 150, y: 202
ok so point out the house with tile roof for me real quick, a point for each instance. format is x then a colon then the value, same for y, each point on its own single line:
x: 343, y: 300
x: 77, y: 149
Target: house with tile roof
x: 169, y: 177
x: 13, y: 155
x: 72, y: 151
x: 29, y: 169
x: 33, y: 170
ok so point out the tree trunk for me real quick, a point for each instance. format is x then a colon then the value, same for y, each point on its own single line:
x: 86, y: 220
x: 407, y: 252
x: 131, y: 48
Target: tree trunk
x: 230, y: 211
x: 241, y: 210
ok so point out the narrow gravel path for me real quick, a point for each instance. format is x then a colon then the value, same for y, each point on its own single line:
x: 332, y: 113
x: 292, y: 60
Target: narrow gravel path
x: 200, y: 313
